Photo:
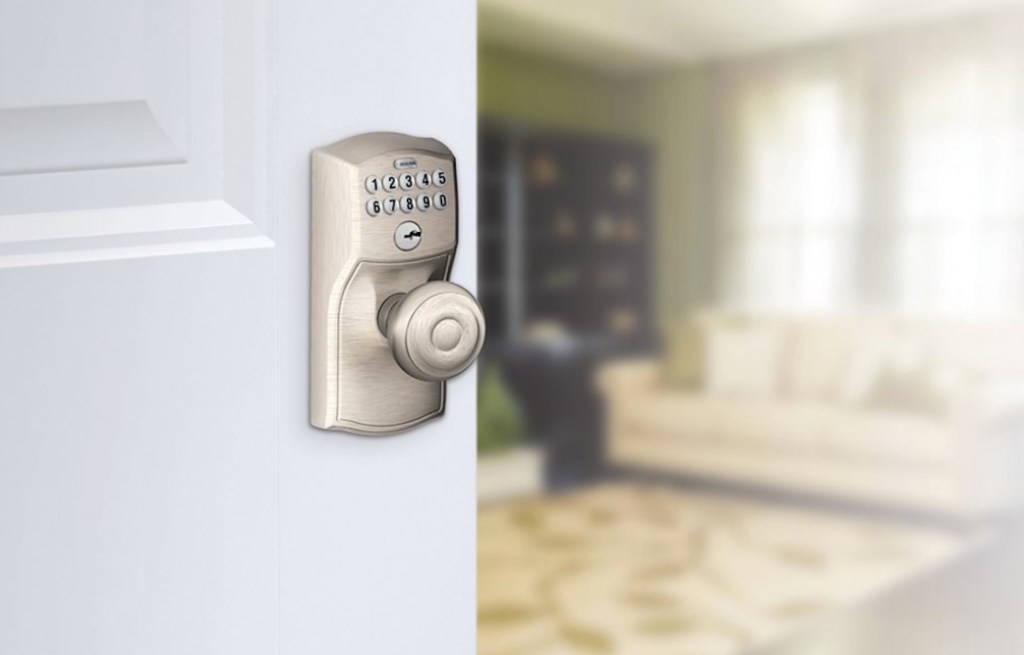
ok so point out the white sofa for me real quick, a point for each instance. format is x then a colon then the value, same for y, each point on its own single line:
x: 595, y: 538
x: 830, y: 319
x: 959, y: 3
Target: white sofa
x: 805, y: 435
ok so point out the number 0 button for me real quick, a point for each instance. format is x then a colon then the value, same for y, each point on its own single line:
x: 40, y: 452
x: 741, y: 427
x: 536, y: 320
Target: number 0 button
x: 373, y: 207
x: 440, y: 178
x: 440, y: 200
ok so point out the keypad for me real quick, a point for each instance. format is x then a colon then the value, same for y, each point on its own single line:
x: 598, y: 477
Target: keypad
x: 391, y: 186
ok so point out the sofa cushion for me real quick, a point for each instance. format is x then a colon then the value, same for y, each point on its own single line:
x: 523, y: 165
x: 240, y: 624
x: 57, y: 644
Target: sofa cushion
x: 767, y: 424
x: 883, y: 436
x: 675, y: 413
x: 892, y: 437
x: 781, y: 425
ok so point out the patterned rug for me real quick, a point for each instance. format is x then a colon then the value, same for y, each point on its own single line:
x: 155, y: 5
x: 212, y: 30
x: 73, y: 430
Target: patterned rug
x: 639, y: 570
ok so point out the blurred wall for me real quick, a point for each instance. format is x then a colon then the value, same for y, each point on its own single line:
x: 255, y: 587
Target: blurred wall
x: 668, y: 109
x: 673, y: 112
x: 530, y: 89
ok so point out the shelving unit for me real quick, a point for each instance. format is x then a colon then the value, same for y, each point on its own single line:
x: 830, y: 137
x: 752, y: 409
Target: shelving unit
x: 565, y: 240
x: 565, y: 235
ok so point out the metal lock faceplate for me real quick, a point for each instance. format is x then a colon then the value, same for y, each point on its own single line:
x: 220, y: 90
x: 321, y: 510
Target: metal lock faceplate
x: 362, y: 254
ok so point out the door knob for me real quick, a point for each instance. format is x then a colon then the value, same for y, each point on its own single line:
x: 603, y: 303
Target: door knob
x: 435, y: 331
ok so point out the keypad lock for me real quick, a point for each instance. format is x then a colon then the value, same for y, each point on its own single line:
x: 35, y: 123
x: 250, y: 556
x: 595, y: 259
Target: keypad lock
x: 387, y: 327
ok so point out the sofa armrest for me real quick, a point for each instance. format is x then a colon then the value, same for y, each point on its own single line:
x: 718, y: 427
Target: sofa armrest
x: 628, y: 376
x: 990, y: 406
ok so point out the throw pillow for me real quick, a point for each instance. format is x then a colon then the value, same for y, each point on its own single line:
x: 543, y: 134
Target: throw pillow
x: 685, y: 355
x: 896, y: 374
x: 914, y: 390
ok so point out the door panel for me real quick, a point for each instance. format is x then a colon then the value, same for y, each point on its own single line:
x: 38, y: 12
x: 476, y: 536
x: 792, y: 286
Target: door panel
x: 154, y: 106
x: 161, y: 490
x: 378, y: 537
x: 137, y: 468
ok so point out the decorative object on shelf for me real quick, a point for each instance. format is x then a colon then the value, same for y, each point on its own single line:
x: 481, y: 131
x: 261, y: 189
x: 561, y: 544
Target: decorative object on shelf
x: 560, y: 280
x: 565, y: 225
x: 629, y: 230
x: 625, y: 178
x: 604, y: 227
x: 623, y: 321
x: 544, y: 170
x: 545, y: 331
x: 613, y: 277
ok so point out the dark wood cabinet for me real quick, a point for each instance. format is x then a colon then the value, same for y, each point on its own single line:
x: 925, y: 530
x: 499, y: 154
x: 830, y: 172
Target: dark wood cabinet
x: 565, y: 275
x: 565, y: 234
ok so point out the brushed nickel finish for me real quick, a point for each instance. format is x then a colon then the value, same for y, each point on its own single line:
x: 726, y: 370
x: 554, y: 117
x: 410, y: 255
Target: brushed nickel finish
x: 356, y: 382
x: 435, y: 331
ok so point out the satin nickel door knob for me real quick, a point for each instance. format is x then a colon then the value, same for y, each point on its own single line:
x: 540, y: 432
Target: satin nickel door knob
x: 435, y: 331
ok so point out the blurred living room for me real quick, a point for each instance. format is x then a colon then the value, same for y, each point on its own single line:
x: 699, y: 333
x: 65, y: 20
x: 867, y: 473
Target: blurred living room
x: 754, y: 277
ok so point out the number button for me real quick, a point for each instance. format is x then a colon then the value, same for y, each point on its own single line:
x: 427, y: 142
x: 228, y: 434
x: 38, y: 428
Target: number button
x: 440, y: 200
x: 406, y: 181
x: 423, y: 202
x: 408, y: 204
x: 373, y: 207
x: 440, y: 178
x: 372, y: 184
x: 390, y: 183
x: 423, y: 179
x: 390, y: 205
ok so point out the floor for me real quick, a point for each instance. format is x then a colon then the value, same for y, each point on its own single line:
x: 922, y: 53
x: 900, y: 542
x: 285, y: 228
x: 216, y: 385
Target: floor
x: 975, y: 606
x: 640, y: 569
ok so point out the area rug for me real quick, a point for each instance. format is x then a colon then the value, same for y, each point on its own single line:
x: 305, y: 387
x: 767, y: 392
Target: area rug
x: 644, y: 570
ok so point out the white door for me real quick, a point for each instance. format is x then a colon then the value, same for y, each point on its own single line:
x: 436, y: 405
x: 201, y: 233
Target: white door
x: 161, y: 490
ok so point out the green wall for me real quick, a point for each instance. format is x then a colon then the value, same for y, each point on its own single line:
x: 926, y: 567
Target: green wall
x: 534, y: 90
x: 675, y: 114
x: 667, y: 110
